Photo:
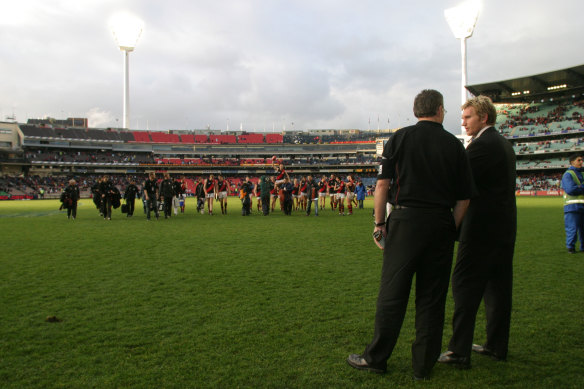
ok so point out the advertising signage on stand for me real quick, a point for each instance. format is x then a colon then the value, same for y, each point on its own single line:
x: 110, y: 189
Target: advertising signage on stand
x: 555, y: 193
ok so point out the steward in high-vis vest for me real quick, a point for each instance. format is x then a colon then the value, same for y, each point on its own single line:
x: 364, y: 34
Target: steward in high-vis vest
x: 572, y: 181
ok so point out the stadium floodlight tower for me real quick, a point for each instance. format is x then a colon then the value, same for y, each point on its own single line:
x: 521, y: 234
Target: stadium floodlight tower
x: 462, y: 20
x: 126, y: 29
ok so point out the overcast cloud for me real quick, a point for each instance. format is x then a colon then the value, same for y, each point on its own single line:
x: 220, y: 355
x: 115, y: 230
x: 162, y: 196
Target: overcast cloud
x: 265, y: 65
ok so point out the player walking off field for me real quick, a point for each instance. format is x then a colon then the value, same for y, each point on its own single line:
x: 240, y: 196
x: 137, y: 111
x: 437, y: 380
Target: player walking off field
x: 222, y: 187
x: 350, y: 185
x: 295, y: 194
x: 257, y: 192
x: 341, y: 190
x: 210, y: 192
x: 322, y: 188
x: 331, y: 184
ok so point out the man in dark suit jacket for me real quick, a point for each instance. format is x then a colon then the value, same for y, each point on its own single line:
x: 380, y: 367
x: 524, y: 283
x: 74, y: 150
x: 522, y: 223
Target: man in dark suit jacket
x: 484, y: 263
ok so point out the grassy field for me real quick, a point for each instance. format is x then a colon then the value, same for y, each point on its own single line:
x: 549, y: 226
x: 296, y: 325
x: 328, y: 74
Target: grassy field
x: 227, y: 301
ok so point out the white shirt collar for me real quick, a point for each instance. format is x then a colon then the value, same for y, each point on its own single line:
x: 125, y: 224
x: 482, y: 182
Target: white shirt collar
x: 480, y: 132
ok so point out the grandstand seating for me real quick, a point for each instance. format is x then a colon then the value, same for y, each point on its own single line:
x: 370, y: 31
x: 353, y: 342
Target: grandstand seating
x: 250, y: 138
x: 141, y: 136
x: 274, y: 138
x: 536, y: 119
x: 222, y: 139
x: 163, y: 137
x: 187, y: 138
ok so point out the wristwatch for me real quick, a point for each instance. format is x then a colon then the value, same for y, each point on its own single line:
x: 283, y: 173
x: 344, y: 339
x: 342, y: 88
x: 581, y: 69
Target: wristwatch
x: 379, y: 224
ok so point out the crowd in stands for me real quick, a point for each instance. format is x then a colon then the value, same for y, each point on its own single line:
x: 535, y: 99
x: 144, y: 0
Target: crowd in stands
x: 110, y: 157
x: 539, y: 181
x: 93, y: 156
x: 91, y: 134
x: 301, y: 138
x: 564, y: 143
x: 537, y: 118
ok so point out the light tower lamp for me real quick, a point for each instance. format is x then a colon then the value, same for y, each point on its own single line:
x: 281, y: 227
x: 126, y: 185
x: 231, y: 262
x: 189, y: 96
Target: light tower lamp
x: 462, y: 20
x: 126, y: 29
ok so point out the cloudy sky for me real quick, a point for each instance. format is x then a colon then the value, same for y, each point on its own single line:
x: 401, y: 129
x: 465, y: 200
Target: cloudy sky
x: 268, y: 64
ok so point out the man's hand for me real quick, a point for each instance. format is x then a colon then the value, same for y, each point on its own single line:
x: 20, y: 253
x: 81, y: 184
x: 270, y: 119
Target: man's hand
x: 381, y: 241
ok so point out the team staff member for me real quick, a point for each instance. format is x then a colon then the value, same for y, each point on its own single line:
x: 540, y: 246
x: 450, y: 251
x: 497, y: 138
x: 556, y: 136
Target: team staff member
x: 287, y: 188
x: 572, y: 184
x: 200, y: 195
x: 419, y: 238
x: 130, y: 197
x: 71, y: 197
x: 246, y: 189
x: 266, y: 185
x: 484, y: 262
x: 210, y: 192
x: 166, y: 192
x: 312, y: 187
x: 106, y: 189
x: 361, y: 192
x: 151, y: 194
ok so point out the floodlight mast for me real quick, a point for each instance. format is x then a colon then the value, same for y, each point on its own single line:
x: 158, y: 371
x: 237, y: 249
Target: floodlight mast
x: 462, y: 20
x: 126, y: 29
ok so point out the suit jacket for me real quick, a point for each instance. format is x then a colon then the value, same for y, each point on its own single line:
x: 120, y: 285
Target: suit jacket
x: 492, y: 214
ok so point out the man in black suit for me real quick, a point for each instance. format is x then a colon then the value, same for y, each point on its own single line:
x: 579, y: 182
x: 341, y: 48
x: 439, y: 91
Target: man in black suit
x: 425, y: 175
x: 484, y: 266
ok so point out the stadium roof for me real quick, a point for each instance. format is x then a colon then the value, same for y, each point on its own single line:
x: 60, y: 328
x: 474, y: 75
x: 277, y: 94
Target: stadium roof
x: 560, y: 83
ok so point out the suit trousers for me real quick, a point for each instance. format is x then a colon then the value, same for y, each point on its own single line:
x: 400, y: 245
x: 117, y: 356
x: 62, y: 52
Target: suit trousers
x: 421, y: 242
x: 483, y: 270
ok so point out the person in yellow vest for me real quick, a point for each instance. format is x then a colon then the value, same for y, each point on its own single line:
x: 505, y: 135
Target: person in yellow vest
x: 572, y: 181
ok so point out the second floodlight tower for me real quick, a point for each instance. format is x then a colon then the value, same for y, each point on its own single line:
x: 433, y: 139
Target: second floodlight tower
x: 462, y: 20
x: 126, y: 29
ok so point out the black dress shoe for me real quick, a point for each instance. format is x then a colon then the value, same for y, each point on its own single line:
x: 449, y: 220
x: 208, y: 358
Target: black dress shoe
x: 458, y: 361
x: 358, y: 362
x: 477, y: 348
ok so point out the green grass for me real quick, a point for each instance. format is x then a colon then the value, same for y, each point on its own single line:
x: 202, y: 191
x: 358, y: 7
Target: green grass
x: 227, y: 301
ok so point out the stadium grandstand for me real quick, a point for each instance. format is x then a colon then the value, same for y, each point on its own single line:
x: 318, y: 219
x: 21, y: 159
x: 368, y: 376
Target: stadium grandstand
x: 542, y: 115
x: 46, y: 153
